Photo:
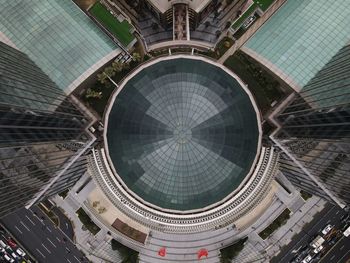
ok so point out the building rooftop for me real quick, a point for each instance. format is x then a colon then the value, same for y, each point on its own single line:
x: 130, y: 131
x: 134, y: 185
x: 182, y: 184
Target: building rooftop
x: 299, y: 39
x: 182, y: 134
x: 58, y: 37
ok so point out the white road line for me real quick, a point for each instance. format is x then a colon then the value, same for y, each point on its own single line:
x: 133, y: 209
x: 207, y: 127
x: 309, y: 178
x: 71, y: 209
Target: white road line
x: 18, y: 229
x: 49, y: 229
x: 46, y: 248
x: 341, y: 247
x: 39, y: 219
x: 40, y: 253
x: 344, y: 256
x: 332, y: 257
x: 77, y: 258
x: 30, y: 220
x: 51, y: 242
x: 58, y: 239
x: 24, y: 226
x: 68, y: 260
x: 337, y: 212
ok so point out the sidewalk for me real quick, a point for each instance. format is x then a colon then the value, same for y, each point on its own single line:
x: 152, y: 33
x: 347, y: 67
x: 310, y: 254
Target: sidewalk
x: 294, y: 225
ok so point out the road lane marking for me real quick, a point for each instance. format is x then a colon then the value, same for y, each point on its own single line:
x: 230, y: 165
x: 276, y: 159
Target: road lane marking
x: 51, y: 242
x: 49, y: 229
x: 30, y: 220
x: 40, y: 253
x: 18, y: 229
x: 343, y: 256
x: 40, y: 220
x: 77, y: 258
x: 46, y: 248
x: 337, y: 212
x: 332, y: 257
x: 24, y: 226
x: 341, y: 247
x: 69, y: 260
x: 58, y: 239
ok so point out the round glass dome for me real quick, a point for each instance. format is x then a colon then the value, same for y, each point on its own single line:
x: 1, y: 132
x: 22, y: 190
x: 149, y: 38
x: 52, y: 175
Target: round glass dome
x: 182, y: 134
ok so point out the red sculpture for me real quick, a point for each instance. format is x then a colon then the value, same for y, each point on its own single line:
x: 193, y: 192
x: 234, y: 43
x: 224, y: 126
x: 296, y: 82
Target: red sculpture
x: 162, y: 252
x: 202, y: 253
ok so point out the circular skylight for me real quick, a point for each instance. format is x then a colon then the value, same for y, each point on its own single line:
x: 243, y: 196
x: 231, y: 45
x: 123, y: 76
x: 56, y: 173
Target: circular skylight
x: 182, y: 134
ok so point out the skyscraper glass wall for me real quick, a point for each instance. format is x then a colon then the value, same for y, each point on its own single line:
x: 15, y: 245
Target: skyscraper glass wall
x: 41, y: 132
x: 63, y: 41
x: 316, y: 130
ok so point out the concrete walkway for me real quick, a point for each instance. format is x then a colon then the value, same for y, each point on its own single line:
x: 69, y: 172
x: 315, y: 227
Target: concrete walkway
x: 184, y: 247
x: 244, y: 38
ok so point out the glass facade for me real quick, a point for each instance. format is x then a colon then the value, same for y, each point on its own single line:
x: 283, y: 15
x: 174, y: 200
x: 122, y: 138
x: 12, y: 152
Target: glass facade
x: 300, y: 39
x: 182, y: 134
x: 58, y: 37
x: 40, y: 130
x: 316, y: 127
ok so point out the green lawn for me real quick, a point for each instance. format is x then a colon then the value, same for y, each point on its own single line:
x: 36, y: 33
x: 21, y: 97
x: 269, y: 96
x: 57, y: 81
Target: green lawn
x: 264, y: 4
x: 277, y: 223
x: 121, y: 30
x: 244, y: 16
x: 263, y: 86
x: 87, y: 222
x: 99, y: 105
x: 305, y: 195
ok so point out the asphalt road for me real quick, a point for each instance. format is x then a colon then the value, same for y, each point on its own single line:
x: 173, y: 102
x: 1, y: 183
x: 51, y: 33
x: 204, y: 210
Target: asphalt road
x: 64, y: 223
x: 5, y: 235
x: 339, y: 253
x: 329, y: 215
x: 41, y: 238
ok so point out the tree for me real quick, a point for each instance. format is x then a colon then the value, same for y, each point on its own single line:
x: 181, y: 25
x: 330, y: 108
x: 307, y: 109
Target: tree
x: 90, y: 93
x: 109, y: 71
x: 228, y: 24
x: 227, y: 44
x: 218, y: 33
x: 128, y: 255
x: 102, y: 78
x: 117, y: 66
x: 126, y: 65
x: 101, y: 210
x: 136, y: 56
x: 95, y: 203
x: 228, y: 253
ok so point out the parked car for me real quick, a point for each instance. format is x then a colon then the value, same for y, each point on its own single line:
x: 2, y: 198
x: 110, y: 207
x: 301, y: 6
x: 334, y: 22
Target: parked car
x: 317, y: 250
x: 326, y: 230
x: 2, y: 243
x: 20, y: 252
x: 14, y: 255
x: 11, y: 243
x: 307, y: 259
x: 333, y: 240
x: 8, y: 258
